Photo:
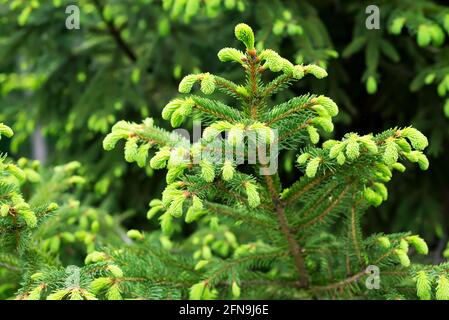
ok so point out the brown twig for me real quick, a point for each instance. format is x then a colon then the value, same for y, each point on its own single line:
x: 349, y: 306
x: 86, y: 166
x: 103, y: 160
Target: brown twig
x: 115, y: 33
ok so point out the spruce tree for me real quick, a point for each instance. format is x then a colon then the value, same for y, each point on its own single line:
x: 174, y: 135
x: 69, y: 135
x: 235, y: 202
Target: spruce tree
x: 216, y: 239
x: 254, y: 235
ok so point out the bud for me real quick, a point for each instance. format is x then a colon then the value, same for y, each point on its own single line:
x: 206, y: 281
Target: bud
x: 6, y: 131
x: 298, y: 72
x: 115, y: 270
x: 207, y: 171
x: 114, y: 293
x: 75, y: 295
x: 52, y: 207
x: 312, y: 167
x: 313, y: 134
x: 195, y: 211
x: 381, y: 189
x: 175, y: 208
x: 424, y: 35
x: 302, y: 159
x: 37, y: 276
x: 321, y: 111
x: 196, y: 292
x: 4, y: 210
x: 330, y: 143
x: 341, y: 159
x: 201, y: 264
x: 58, y: 295
x: 207, y: 84
x: 230, y: 54
x: 416, y: 138
x: 88, y: 295
x: 100, y: 283
x: 398, y: 166
x: 403, y: 257
x: 278, y: 27
x: 170, y: 108
x: 235, y: 289
x: 228, y: 170
x: 419, y: 244
x: 391, y: 154
x: 252, y: 194
x: 242, y: 91
x: 423, y: 285
x: 397, y: 25
x: 112, y: 138
x: 384, y: 242
x: 352, y: 148
x: 159, y: 160
x: 142, y: 155
x: 135, y: 234
x: 16, y: 172
x: 372, y: 197
x: 441, y: 89
x: 442, y: 292
x: 273, y: 60
x: 403, y: 245
x: 446, y: 22
x: 368, y: 142
x: 324, y: 123
x: 429, y: 78
x: 35, y: 294
x: 245, y: 34
x: 329, y: 104
x: 317, y: 71
x: 68, y: 237
x: 403, y: 144
x: 423, y: 162
x: 336, y: 149
x: 29, y: 217
x: 437, y: 35
x: 186, y: 84
x: 95, y: 226
x: 371, y: 85
x: 412, y: 156
x: 131, y: 149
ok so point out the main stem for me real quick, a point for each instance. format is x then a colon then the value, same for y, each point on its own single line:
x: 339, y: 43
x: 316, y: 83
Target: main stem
x: 253, y: 61
x: 294, y: 247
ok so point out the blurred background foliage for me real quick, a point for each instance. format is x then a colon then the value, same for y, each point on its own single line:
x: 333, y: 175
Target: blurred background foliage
x: 61, y: 90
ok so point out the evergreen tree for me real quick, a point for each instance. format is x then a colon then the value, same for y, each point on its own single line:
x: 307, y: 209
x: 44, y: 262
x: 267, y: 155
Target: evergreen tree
x: 32, y: 236
x: 127, y: 60
x: 254, y: 235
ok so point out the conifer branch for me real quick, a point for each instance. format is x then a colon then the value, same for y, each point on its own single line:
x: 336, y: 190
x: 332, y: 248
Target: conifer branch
x: 341, y: 283
x: 216, y: 274
x: 277, y: 84
x: 228, y: 87
x: 237, y: 215
x: 332, y: 205
x: 115, y: 33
